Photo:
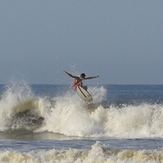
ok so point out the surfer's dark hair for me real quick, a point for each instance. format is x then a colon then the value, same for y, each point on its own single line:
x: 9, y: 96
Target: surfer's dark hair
x: 83, y: 75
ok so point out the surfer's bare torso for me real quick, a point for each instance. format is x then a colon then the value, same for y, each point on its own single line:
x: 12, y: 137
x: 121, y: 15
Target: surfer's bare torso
x: 78, y: 80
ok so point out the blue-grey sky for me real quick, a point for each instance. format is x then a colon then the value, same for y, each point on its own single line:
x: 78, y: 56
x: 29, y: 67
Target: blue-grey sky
x: 120, y: 40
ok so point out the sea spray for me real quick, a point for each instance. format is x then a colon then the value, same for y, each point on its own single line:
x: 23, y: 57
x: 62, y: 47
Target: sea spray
x: 19, y: 107
x: 68, y: 117
x: 74, y: 119
x: 99, y: 94
x: 14, y: 94
x: 135, y: 121
x: 67, y: 114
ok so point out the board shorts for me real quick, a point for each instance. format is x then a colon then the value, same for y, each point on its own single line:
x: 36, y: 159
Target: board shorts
x: 76, y: 85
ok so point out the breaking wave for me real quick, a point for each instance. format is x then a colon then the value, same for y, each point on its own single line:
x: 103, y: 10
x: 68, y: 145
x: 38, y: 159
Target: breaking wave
x: 20, y: 108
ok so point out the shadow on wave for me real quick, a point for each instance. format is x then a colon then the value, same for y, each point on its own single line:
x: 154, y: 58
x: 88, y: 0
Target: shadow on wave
x: 26, y: 116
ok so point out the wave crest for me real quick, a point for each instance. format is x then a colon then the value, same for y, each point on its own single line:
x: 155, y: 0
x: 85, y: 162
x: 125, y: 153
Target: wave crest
x: 20, y: 108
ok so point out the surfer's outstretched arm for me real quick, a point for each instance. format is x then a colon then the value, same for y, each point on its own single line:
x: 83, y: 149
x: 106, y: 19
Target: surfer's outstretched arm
x: 91, y: 77
x: 70, y: 74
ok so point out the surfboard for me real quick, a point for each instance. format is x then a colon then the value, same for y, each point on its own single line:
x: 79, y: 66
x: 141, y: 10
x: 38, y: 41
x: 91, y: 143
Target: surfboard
x: 83, y: 94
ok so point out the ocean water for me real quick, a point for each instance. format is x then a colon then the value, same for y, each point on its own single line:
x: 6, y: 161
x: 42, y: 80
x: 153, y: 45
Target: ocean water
x: 51, y: 124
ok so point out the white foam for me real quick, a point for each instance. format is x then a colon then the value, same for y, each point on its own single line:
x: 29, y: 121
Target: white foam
x: 98, y: 94
x: 14, y: 94
x: 71, y: 116
x: 74, y: 119
x: 99, y: 153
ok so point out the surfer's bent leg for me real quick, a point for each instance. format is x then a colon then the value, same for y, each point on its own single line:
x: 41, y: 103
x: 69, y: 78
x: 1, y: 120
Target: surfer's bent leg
x: 75, y: 86
x: 85, y: 87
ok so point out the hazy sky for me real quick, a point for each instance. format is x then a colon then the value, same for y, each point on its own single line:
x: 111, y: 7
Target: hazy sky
x: 120, y: 40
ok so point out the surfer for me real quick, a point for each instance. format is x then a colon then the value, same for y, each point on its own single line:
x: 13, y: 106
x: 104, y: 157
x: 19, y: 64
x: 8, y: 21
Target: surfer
x: 78, y: 80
